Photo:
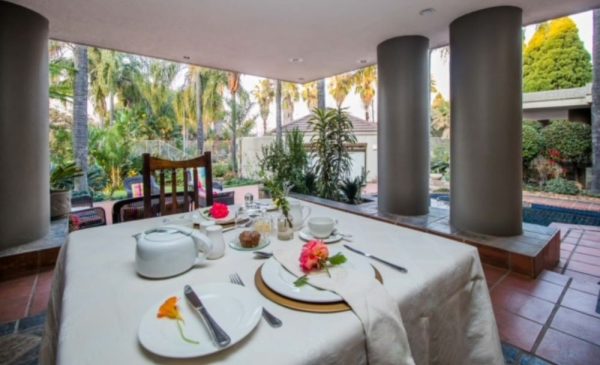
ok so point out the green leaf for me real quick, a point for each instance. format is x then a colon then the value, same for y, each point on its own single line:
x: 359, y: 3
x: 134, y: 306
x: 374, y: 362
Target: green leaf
x: 301, y: 281
x: 337, y: 259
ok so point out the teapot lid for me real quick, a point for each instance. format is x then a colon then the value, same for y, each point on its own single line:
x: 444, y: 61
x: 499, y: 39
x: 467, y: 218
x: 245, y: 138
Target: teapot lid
x: 165, y: 234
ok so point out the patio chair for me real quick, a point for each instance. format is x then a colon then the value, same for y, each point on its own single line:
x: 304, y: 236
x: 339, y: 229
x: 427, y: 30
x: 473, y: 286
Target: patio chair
x: 87, y: 218
x: 154, y: 165
x: 81, y: 199
x: 134, y: 186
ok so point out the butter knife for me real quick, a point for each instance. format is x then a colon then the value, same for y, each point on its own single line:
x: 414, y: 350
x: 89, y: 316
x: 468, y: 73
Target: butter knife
x: 219, y: 337
x: 397, y: 267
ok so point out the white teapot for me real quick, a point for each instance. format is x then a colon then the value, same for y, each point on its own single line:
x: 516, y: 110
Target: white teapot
x: 170, y: 250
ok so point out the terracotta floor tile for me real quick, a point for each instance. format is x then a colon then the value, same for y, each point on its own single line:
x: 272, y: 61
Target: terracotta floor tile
x: 516, y: 330
x: 564, y: 255
x: 524, y: 305
x: 493, y: 274
x: 584, y: 250
x: 563, y: 349
x: 553, y: 277
x: 12, y: 309
x: 17, y: 288
x: 591, y: 236
x: 577, y: 324
x: 584, y: 268
x: 588, y: 259
x: 569, y: 240
x: 583, y: 302
x: 589, y: 243
x: 39, y: 302
x: 584, y: 282
x: 567, y: 246
x: 44, y: 281
x: 537, y: 288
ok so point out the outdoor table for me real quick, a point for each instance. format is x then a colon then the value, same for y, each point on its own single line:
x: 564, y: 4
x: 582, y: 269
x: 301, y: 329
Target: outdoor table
x: 98, y: 300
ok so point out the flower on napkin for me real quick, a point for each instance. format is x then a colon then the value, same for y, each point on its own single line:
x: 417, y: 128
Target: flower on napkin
x: 315, y: 256
x: 219, y: 211
x: 170, y: 310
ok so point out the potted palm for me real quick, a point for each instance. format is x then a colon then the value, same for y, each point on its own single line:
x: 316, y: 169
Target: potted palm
x: 62, y: 179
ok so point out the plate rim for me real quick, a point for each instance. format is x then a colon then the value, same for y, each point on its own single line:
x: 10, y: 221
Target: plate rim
x: 240, y: 248
x: 254, y: 317
x: 337, y: 238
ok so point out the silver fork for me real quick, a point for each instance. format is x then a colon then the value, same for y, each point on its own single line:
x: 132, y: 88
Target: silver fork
x: 271, y: 319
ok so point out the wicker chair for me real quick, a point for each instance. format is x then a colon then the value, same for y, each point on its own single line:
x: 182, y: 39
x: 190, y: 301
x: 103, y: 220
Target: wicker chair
x: 87, y: 218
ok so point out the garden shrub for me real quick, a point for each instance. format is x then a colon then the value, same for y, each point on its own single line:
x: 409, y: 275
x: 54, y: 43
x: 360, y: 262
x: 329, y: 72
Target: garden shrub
x: 221, y: 169
x: 562, y: 186
x: 568, y: 141
x: 533, y: 143
x: 440, y: 160
x: 545, y: 169
x: 534, y: 124
x: 285, y: 162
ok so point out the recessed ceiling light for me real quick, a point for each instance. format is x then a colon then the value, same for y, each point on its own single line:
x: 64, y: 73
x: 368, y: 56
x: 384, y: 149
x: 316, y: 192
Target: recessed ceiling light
x: 186, y: 57
x: 296, y: 60
x: 300, y: 78
x: 427, y: 11
x: 362, y: 61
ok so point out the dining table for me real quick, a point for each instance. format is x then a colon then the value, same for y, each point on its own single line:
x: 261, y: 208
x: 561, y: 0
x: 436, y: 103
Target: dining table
x: 98, y: 300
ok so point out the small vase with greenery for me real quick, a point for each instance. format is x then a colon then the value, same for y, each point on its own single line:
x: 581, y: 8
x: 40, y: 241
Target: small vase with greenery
x: 62, y: 179
x: 279, y: 193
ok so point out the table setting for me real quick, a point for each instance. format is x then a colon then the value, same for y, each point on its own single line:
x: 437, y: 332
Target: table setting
x: 344, y: 289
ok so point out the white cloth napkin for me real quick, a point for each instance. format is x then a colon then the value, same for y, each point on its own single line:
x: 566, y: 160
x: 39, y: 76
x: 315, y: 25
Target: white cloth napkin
x: 386, y: 338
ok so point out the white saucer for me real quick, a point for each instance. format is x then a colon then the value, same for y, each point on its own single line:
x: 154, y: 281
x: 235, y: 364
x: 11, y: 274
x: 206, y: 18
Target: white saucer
x: 307, y: 236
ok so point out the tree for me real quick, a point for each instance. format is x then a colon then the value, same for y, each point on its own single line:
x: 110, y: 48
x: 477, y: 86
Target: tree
x: 310, y: 95
x: 233, y: 85
x: 364, y: 80
x: 264, y: 94
x: 105, y: 73
x: 595, y: 185
x: 555, y: 58
x: 278, y: 111
x: 440, y: 117
x: 80, y: 115
x: 321, y: 93
x: 332, y: 135
x: 340, y: 86
x: 289, y: 95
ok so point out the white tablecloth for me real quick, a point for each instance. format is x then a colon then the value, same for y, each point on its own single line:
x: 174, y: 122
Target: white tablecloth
x: 98, y: 300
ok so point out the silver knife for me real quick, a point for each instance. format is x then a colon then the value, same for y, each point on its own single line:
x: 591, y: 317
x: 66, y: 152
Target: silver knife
x: 219, y: 337
x: 397, y: 267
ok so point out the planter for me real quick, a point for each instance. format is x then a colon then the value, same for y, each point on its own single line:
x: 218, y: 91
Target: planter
x: 436, y: 176
x: 60, y: 203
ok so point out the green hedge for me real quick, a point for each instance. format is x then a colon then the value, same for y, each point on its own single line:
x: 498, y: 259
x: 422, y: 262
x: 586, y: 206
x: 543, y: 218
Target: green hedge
x: 562, y: 186
x: 533, y: 143
x: 568, y: 141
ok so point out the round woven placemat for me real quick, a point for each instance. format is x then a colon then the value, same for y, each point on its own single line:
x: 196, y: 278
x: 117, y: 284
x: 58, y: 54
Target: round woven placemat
x: 273, y: 296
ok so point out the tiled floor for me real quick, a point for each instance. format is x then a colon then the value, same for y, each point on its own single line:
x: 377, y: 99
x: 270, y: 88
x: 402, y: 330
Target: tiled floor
x: 554, y: 317
x: 25, y: 296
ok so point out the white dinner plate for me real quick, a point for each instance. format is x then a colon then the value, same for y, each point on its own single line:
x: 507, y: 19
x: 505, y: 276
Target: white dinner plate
x: 307, y: 236
x: 282, y: 281
x: 229, y: 219
x: 235, y: 308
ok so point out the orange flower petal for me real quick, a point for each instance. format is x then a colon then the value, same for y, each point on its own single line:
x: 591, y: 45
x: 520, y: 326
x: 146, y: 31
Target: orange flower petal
x: 169, y: 309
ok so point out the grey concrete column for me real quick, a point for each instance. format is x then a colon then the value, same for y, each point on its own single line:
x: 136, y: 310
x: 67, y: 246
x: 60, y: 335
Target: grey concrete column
x: 486, y: 117
x: 24, y: 186
x: 403, y: 130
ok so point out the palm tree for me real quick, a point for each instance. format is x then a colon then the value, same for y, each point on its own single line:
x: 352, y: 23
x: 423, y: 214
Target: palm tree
x: 233, y: 85
x: 80, y: 115
x: 310, y: 95
x: 278, y: 111
x: 440, y: 117
x: 321, y: 93
x: 364, y: 80
x: 264, y: 94
x: 595, y: 185
x: 214, y: 85
x: 289, y: 95
x: 340, y: 87
x: 105, y: 73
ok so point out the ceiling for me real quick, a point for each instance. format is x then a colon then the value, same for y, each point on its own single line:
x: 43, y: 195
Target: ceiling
x: 259, y: 37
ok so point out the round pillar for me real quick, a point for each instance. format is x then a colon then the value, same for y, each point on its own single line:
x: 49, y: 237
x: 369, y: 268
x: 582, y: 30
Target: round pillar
x: 403, y: 126
x: 24, y: 156
x: 486, y: 117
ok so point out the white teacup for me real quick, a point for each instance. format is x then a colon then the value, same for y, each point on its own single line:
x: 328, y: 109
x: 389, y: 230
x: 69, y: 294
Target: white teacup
x: 321, y: 227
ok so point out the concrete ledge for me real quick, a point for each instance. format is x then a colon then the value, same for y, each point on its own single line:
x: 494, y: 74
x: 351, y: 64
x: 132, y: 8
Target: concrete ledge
x: 538, y: 248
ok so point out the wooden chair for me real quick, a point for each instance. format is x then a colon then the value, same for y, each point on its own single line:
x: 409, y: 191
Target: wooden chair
x: 174, y: 205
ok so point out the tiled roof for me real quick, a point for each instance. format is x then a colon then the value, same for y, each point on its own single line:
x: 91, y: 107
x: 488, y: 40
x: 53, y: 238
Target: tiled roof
x: 361, y: 126
x: 561, y: 94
